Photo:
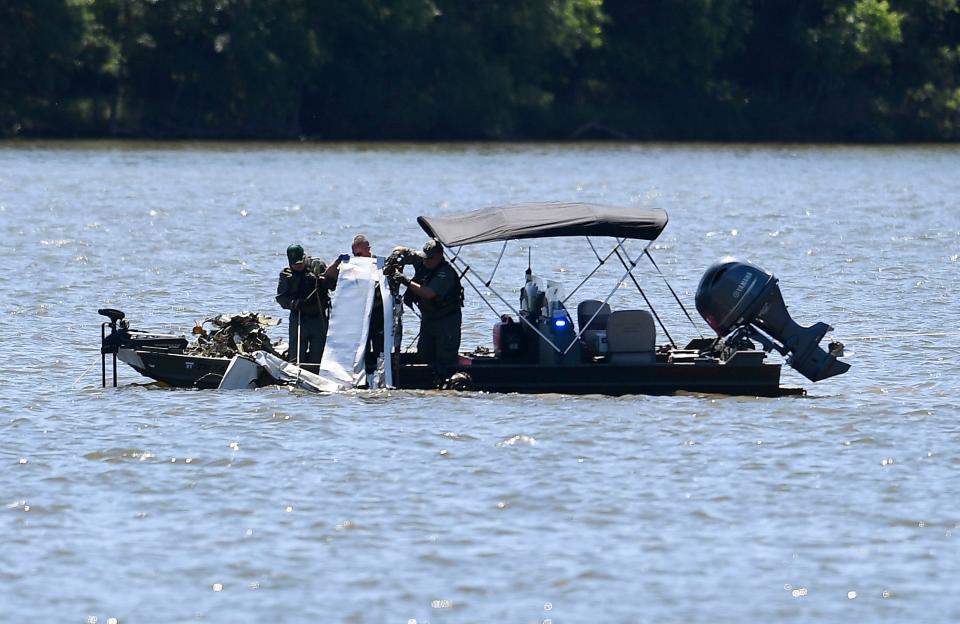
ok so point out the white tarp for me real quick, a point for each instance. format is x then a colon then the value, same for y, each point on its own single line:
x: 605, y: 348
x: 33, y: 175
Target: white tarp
x: 352, y: 304
x: 387, y: 362
x: 342, y: 365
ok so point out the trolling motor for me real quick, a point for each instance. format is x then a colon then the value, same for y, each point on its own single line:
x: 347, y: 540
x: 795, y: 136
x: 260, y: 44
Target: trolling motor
x: 739, y: 300
x: 122, y: 337
x: 111, y: 343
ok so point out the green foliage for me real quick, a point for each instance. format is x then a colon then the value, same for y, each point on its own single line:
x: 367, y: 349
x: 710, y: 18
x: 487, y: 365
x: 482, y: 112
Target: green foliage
x: 864, y: 32
x: 226, y: 68
x: 38, y: 42
x: 452, y: 69
x: 449, y: 69
x: 661, y: 72
x: 926, y: 79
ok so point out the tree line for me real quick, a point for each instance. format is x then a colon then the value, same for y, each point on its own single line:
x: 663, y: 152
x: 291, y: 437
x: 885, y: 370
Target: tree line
x: 806, y: 70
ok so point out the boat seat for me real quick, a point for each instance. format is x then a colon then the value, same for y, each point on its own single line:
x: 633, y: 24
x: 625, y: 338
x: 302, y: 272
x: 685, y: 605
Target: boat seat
x: 593, y: 334
x: 631, y: 337
x: 587, y: 308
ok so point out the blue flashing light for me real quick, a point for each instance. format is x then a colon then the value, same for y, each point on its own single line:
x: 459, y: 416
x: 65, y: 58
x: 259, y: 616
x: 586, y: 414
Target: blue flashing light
x: 560, y: 323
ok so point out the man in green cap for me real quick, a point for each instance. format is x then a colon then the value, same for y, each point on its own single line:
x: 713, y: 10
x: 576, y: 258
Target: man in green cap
x: 436, y: 290
x: 304, y: 289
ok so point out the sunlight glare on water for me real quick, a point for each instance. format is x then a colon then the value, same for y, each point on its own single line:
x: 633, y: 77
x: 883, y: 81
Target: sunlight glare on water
x: 147, y: 504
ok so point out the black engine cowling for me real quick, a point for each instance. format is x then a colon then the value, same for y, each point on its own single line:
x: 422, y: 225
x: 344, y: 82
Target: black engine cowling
x: 734, y: 294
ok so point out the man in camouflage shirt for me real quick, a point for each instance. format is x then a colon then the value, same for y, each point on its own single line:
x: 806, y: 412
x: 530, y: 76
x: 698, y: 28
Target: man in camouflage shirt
x: 304, y: 289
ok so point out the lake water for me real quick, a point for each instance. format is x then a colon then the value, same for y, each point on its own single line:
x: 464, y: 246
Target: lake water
x: 143, y: 504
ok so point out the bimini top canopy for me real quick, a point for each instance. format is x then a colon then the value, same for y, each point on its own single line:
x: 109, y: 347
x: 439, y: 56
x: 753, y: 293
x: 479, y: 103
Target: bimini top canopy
x: 544, y: 220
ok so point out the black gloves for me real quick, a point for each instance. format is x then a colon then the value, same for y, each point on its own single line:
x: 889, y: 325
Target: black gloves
x: 344, y: 258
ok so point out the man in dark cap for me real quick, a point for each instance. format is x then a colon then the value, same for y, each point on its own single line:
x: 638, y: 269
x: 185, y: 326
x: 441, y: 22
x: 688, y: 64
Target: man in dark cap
x: 435, y: 288
x: 304, y: 289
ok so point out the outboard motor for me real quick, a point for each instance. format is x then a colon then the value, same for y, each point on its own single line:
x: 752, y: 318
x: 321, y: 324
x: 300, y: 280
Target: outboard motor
x: 736, y: 297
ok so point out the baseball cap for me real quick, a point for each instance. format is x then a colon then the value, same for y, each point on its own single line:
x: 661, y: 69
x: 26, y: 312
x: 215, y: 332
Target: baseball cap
x: 432, y: 247
x: 295, y: 254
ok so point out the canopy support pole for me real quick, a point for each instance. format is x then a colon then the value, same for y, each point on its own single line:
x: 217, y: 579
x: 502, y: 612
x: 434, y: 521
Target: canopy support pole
x: 497, y: 265
x: 591, y: 274
x: 506, y: 303
x: 677, y: 298
x: 455, y: 260
x: 640, y: 290
x: 629, y: 272
x: 594, y: 249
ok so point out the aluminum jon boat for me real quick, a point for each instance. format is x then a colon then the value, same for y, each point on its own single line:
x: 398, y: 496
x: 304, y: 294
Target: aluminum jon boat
x: 538, y: 346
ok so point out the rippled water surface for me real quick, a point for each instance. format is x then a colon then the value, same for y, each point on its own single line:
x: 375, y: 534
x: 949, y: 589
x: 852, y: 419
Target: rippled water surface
x: 143, y: 504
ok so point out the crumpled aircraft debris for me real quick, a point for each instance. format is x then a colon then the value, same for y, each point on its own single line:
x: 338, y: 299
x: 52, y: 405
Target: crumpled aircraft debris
x: 233, y: 334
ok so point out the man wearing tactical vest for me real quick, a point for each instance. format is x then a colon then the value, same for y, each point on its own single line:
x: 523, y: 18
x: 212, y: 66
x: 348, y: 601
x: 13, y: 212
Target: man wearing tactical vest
x: 436, y: 289
x: 304, y: 289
